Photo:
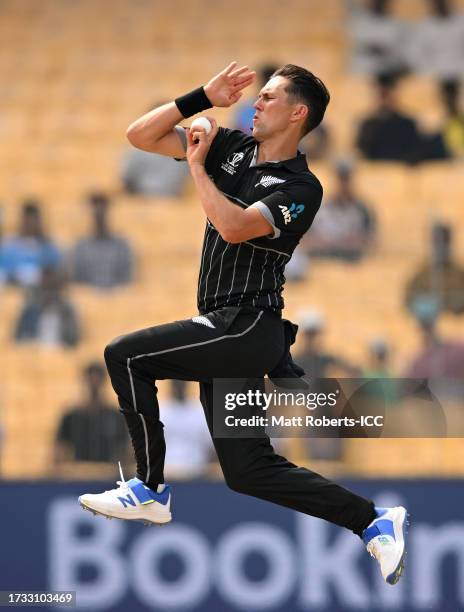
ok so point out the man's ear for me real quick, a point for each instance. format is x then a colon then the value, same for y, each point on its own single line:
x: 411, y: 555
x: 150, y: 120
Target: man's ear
x: 300, y: 111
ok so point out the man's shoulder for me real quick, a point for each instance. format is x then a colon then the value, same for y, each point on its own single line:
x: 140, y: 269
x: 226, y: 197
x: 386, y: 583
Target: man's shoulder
x: 231, y: 137
x: 307, y: 182
x: 228, y: 143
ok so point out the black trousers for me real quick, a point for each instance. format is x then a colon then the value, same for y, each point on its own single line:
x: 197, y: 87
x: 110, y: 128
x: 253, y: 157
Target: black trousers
x: 227, y: 343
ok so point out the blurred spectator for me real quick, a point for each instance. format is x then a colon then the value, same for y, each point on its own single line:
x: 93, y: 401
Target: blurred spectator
x: 379, y: 369
x: 436, y: 44
x: 298, y: 267
x: 438, y: 359
x: 316, y: 144
x: 314, y: 360
x: 435, y: 374
x: 22, y: 257
x: 150, y: 174
x: 47, y: 316
x: 344, y: 227
x: 92, y: 430
x: 377, y: 37
x: 440, y: 278
x: 102, y: 260
x: 318, y: 366
x: 388, y: 134
x: 378, y: 365
x: 453, y: 129
x: 189, y: 449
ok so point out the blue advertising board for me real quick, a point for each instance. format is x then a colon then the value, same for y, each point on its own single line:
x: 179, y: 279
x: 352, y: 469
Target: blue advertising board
x: 227, y: 552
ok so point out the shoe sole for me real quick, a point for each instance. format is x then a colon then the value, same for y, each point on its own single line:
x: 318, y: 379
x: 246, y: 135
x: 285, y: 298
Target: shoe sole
x: 145, y: 522
x: 400, y: 527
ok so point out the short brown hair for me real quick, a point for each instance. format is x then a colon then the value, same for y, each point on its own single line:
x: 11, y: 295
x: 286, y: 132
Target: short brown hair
x: 306, y: 87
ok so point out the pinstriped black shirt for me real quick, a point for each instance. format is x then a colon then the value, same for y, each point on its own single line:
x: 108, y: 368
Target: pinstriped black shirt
x: 251, y: 273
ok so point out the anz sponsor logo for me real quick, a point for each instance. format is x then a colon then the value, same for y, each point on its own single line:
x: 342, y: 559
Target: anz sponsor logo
x: 234, y: 159
x: 292, y: 212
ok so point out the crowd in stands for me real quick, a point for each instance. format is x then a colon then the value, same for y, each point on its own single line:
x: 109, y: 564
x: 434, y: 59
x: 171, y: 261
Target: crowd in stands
x: 48, y: 317
x: 388, y: 49
x: 382, y: 41
x: 33, y: 261
x: 92, y: 430
x: 384, y: 48
x: 150, y: 174
x: 440, y: 278
x: 24, y: 254
x: 389, y: 134
x: 102, y: 259
x: 189, y: 449
x: 344, y: 227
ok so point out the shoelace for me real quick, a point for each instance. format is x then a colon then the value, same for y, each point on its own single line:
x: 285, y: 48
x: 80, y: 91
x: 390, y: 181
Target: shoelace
x: 122, y: 484
x: 372, y: 550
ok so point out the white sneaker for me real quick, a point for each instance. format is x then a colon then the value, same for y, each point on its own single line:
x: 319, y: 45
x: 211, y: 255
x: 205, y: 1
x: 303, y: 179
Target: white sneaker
x: 384, y: 539
x: 133, y: 501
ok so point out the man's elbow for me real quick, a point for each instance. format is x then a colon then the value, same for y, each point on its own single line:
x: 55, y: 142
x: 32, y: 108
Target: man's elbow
x: 232, y: 235
x: 133, y: 136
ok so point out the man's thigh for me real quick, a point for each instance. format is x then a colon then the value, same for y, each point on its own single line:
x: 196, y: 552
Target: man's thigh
x: 229, y: 342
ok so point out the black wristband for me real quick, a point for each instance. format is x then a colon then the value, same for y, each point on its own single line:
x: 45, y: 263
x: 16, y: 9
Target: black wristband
x: 193, y: 102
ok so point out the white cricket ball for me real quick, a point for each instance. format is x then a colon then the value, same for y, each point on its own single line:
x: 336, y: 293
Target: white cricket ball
x: 202, y: 122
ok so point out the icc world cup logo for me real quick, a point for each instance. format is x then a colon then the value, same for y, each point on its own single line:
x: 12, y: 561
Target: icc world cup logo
x: 235, y: 159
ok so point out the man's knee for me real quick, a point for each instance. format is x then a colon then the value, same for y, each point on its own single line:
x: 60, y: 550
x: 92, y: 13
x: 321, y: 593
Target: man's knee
x: 116, y: 350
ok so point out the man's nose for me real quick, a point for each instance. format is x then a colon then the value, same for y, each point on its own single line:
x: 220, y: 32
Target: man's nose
x: 257, y: 104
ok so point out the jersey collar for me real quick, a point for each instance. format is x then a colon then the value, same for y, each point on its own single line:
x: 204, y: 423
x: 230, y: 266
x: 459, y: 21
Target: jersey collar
x: 294, y: 164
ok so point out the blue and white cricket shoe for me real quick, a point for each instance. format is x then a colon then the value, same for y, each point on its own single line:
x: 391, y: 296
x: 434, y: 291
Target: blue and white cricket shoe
x: 132, y: 501
x: 384, y: 539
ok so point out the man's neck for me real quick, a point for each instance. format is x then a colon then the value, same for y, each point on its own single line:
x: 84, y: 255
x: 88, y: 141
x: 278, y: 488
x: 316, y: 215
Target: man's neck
x: 276, y: 150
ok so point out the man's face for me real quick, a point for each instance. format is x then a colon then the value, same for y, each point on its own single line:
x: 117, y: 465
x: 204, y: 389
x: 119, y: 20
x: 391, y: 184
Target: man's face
x: 273, y: 110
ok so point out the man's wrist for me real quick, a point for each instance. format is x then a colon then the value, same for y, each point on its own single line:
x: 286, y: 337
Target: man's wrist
x: 197, y: 167
x: 193, y: 102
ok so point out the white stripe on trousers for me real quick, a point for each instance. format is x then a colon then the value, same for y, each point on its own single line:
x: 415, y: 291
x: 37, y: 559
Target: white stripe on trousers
x: 176, y: 348
x: 142, y: 418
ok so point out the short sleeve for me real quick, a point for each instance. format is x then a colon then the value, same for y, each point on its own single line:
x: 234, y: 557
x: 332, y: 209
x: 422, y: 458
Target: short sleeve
x: 291, y: 211
x: 213, y: 154
x: 213, y: 157
x: 183, y: 138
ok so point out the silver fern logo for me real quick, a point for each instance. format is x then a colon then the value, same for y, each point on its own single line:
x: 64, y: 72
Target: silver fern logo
x: 267, y: 181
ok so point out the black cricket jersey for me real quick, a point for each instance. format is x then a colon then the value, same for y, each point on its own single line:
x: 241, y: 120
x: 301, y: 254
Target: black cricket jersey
x: 288, y: 195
